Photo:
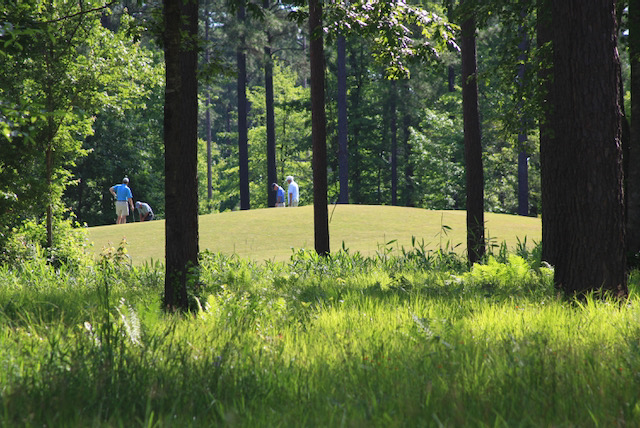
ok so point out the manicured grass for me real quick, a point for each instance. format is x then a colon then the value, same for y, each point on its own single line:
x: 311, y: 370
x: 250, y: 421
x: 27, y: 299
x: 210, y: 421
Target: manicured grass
x: 272, y: 234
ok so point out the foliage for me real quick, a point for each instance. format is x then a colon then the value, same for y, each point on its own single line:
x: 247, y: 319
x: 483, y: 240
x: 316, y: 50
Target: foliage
x: 315, y: 341
x: 293, y: 140
x: 122, y: 136
x: 507, y: 278
x: 401, y: 32
x: 28, y: 241
x: 127, y: 141
x: 439, y: 161
x: 508, y: 102
x: 62, y: 69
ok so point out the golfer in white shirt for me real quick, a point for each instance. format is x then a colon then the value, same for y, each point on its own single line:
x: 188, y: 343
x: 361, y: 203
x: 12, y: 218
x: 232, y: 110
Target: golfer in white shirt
x: 293, y: 192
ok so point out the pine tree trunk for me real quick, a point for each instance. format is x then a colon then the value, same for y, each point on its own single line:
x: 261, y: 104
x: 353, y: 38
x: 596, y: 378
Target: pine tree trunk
x: 354, y: 151
x: 472, y: 144
x: 633, y: 161
x: 243, y: 139
x: 208, y: 114
x: 451, y: 72
x: 523, y: 157
x: 393, y: 112
x: 523, y: 178
x: 180, y: 140
x: 408, y: 166
x: 318, y: 130
x: 549, y: 165
x: 343, y: 153
x: 272, y: 173
x: 49, y: 179
x: 587, y: 143
x: 209, y: 172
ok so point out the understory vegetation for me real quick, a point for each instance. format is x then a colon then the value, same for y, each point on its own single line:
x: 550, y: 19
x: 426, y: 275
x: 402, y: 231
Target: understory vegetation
x: 405, y: 338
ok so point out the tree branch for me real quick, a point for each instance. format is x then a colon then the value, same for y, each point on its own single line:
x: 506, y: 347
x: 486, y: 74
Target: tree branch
x: 82, y: 12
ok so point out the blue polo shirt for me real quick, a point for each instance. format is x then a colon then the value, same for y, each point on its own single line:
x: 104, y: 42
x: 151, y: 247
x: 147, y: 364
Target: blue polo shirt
x: 280, y: 195
x: 123, y: 192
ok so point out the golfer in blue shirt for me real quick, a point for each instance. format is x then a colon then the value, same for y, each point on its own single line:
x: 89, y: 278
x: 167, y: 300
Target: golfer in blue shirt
x: 124, y: 200
x: 279, y: 194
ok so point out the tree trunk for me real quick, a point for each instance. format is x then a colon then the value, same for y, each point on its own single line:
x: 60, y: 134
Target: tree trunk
x: 208, y: 114
x: 408, y: 166
x: 586, y: 127
x: 472, y: 143
x: 49, y: 151
x: 208, y: 126
x: 343, y: 153
x: 523, y: 177
x: 393, y: 112
x: 633, y: 161
x: 523, y: 157
x: 625, y: 143
x: 549, y: 165
x: 272, y: 173
x: 451, y: 72
x: 49, y: 179
x: 181, y: 150
x: 354, y: 151
x: 318, y: 130
x: 243, y: 139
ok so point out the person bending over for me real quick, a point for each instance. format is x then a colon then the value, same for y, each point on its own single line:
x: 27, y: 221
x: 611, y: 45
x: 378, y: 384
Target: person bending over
x: 145, y: 211
x: 279, y: 194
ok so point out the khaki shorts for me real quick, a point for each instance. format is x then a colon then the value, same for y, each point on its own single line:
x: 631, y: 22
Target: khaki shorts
x: 122, y: 208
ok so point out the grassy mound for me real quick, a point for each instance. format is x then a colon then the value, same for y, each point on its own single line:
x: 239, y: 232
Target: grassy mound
x: 272, y: 234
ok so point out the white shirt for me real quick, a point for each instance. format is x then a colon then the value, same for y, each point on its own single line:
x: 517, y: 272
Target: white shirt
x: 293, y: 190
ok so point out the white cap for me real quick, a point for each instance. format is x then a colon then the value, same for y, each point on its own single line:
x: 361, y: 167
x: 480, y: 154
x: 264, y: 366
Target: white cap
x: 289, y: 178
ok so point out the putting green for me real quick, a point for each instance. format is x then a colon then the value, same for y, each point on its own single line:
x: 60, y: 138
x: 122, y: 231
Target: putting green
x: 273, y: 233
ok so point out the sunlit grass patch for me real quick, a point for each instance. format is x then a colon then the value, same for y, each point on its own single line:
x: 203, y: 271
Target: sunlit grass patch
x: 272, y: 234
x: 343, y: 340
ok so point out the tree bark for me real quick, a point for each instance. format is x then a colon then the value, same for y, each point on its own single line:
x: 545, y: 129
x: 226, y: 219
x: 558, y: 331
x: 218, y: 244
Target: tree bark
x: 523, y: 157
x: 318, y: 130
x: 243, y: 139
x: 472, y: 144
x: 208, y: 113
x: 49, y: 179
x: 549, y: 165
x: 587, y: 143
x: 393, y: 112
x: 343, y: 152
x: 180, y: 141
x: 523, y: 177
x: 408, y: 165
x: 209, y: 149
x: 354, y: 151
x: 451, y: 72
x: 272, y: 173
x: 633, y: 161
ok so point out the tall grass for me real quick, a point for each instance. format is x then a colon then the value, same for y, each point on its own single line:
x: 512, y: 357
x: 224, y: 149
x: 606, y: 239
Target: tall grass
x: 410, y: 338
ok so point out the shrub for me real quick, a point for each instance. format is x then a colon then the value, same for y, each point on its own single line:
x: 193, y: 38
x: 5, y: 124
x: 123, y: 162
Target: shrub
x: 514, y: 277
x: 29, y: 241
